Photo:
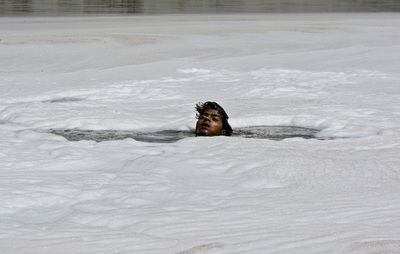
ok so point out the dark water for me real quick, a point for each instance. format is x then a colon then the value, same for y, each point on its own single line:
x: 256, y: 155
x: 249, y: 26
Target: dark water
x: 84, y: 7
x: 168, y: 136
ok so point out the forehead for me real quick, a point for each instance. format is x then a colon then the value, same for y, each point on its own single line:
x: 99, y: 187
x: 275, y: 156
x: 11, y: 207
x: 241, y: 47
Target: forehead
x: 212, y: 112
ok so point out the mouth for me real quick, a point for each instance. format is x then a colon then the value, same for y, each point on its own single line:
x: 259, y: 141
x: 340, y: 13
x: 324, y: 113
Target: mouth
x: 205, y: 126
x: 202, y: 129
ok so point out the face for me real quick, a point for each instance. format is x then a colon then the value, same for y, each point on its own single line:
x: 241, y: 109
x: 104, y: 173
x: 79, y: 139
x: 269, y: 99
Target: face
x: 209, y: 124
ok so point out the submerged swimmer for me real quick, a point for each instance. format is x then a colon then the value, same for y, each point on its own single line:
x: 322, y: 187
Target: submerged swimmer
x: 212, y: 120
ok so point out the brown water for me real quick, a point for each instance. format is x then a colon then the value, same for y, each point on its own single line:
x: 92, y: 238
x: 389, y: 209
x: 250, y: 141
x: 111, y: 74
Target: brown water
x: 85, y: 7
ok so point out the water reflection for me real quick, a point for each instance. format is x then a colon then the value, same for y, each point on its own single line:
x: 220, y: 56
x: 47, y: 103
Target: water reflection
x: 69, y: 7
x: 21, y: 6
x: 79, y: 7
x: 106, y: 6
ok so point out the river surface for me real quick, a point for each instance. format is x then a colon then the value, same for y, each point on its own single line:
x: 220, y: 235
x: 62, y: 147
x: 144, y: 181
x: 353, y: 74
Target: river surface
x: 85, y: 7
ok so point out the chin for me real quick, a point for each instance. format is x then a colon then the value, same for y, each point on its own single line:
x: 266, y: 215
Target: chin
x: 201, y: 134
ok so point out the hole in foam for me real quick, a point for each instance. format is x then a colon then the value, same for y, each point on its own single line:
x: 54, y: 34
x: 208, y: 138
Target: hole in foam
x: 169, y: 136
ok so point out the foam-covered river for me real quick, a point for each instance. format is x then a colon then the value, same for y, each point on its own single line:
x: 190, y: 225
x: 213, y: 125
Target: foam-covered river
x: 335, y: 73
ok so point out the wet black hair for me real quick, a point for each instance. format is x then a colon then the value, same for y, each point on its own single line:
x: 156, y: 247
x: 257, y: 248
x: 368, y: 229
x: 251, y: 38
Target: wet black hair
x: 201, y: 107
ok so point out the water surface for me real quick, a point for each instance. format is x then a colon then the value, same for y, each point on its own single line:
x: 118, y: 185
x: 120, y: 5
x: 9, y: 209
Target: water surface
x: 84, y: 7
x: 168, y: 136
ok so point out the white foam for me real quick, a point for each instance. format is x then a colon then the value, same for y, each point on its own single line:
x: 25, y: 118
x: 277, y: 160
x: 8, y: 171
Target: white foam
x: 336, y: 73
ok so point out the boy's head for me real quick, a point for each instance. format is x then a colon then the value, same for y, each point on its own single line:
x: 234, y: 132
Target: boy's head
x: 212, y: 120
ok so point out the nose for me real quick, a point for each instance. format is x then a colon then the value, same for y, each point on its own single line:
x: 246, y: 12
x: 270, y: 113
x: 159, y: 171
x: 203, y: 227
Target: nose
x: 207, y: 118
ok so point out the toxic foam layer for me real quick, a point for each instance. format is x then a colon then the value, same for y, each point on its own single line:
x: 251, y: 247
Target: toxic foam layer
x: 335, y: 73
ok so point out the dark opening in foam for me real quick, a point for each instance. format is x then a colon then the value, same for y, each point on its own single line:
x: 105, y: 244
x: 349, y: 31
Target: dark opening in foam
x: 168, y: 136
